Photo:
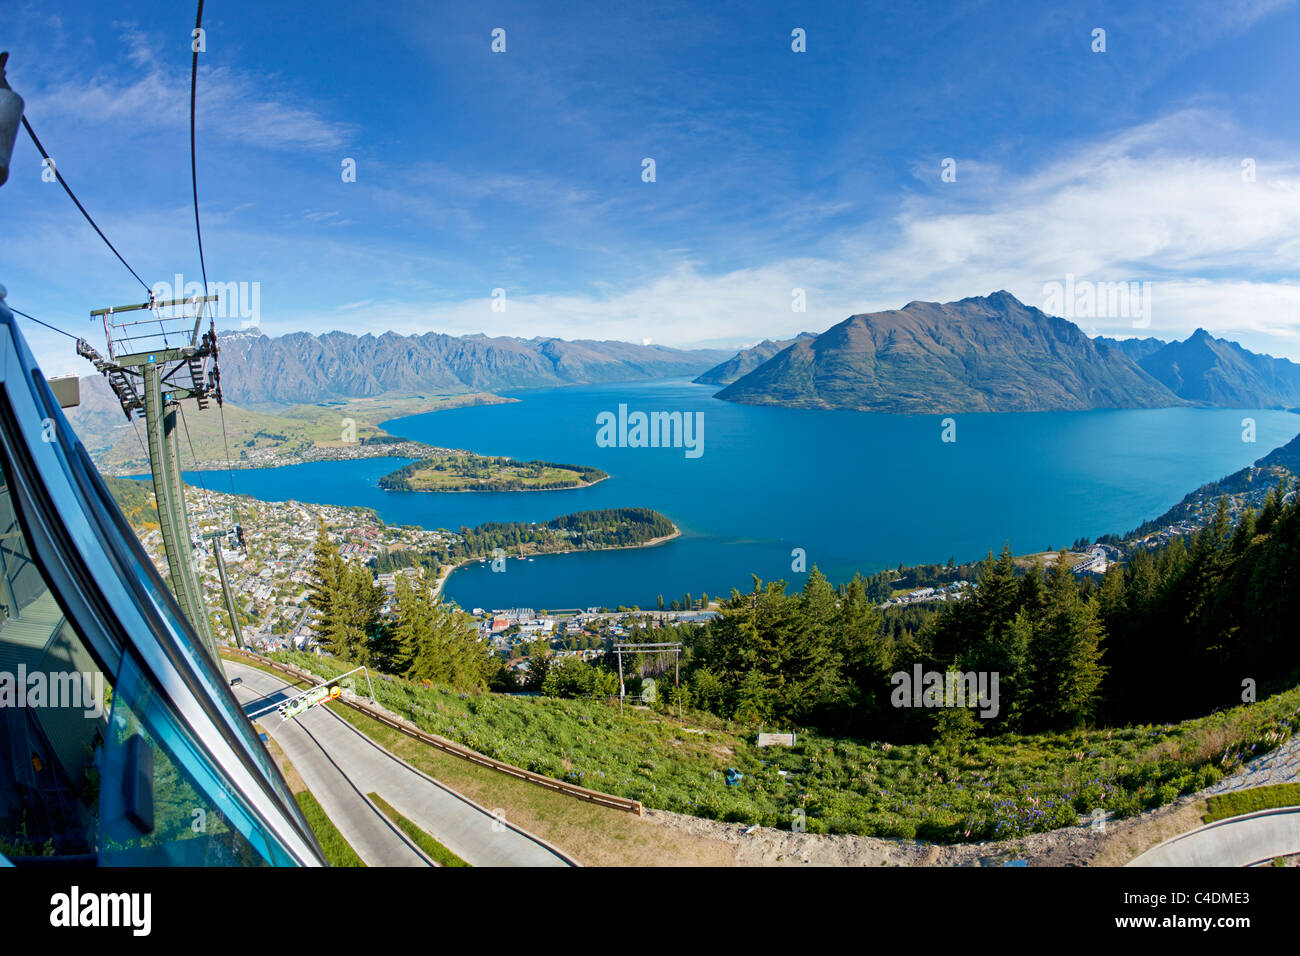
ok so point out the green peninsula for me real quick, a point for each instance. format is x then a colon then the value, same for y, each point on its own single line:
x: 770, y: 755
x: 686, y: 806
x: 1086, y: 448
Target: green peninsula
x: 466, y: 471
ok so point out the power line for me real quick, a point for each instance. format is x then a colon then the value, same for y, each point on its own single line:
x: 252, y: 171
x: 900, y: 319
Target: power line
x: 135, y: 428
x: 71, y: 195
x: 46, y: 324
x: 194, y: 456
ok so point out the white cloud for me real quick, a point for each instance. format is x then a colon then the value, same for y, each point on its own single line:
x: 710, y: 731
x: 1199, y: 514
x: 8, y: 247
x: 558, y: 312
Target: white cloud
x: 1147, y: 204
x: 1164, y: 202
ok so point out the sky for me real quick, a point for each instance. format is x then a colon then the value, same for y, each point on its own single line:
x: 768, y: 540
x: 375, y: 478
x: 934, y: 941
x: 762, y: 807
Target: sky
x: 926, y: 151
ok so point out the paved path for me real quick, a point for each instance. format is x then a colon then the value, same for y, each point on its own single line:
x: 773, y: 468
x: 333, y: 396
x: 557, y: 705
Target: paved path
x: 1238, y: 841
x: 340, y: 765
x: 1243, y: 840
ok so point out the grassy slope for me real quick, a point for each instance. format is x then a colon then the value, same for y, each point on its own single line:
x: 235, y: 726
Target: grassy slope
x: 999, y: 787
x: 1235, y: 803
x: 431, y: 847
x: 597, y: 836
x: 337, y: 850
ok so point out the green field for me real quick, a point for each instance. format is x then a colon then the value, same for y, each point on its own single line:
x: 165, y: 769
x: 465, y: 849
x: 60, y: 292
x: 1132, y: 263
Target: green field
x: 267, y: 434
x: 995, y: 788
x: 465, y: 471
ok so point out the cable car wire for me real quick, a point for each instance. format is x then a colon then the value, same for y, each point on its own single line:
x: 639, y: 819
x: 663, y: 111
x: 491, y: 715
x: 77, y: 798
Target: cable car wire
x: 71, y: 195
x: 46, y: 324
x: 198, y: 228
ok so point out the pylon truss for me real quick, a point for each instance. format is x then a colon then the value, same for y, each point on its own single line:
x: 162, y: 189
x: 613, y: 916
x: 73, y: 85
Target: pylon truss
x: 170, y: 341
x: 153, y: 365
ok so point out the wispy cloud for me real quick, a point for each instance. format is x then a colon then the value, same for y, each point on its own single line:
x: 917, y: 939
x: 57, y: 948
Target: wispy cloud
x: 1143, y: 205
x: 155, y: 97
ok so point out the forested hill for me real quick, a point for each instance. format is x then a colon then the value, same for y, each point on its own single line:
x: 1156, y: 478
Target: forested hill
x: 1253, y: 482
x: 580, y: 531
x: 607, y: 528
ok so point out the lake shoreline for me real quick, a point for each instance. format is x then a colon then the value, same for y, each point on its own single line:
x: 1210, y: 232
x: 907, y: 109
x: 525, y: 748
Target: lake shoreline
x: 652, y: 543
x: 868, y: 491
x: 488, y: 491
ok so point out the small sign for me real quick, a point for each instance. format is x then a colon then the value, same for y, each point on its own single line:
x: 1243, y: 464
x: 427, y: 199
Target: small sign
x: 317, y: 695
x: 776, y: 740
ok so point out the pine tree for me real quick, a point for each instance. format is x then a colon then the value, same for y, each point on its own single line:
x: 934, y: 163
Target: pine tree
x: 447, y: 648
x: 1065, y: 654
x: 410, y: 626
x: 325, y: 588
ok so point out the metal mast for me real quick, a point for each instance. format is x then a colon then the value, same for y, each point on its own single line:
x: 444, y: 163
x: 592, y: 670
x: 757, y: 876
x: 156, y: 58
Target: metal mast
x: 152, y: 366
x: 216, y: 538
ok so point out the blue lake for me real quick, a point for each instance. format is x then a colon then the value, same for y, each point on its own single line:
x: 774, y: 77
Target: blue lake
x: 856, y: 491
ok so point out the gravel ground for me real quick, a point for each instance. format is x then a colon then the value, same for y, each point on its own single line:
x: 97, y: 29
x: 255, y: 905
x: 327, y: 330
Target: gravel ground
x: 1280, y: 766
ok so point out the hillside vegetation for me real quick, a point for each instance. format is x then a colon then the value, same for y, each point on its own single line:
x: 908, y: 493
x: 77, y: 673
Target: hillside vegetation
x: 994, y: 788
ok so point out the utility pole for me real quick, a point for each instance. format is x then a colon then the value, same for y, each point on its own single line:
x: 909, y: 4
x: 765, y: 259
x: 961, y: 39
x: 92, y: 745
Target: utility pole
x: 215, y: 537
x: 152, y: 366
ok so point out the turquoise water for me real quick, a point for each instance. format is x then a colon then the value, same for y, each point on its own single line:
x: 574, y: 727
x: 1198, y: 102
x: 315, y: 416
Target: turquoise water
x: 856, y: 491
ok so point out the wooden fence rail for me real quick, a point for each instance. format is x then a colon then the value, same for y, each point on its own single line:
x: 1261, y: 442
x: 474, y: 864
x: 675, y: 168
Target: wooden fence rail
x: 451, y: 747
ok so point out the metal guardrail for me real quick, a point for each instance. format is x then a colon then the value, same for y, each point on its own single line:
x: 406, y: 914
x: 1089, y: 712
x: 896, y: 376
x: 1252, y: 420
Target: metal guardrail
x: 455, y: 749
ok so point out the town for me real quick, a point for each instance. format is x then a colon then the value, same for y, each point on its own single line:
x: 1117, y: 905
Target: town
x: 270, y: 575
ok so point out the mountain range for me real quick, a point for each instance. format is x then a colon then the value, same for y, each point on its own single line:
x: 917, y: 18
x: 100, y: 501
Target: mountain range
x: 1213, y: 371
x: 1136, y: 349
x: 257, y: 369
x: 981, y: 354
x: 746, y: 360
x: 287, y: 394
x: 995, y: 354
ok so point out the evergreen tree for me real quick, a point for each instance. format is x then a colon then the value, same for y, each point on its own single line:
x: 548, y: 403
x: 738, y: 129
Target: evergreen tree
x: 1065, y: 654
x: 447, y: 647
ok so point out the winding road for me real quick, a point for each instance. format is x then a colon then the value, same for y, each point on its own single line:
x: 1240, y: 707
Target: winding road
x: 340, y: 765
x: 1247, y: 840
